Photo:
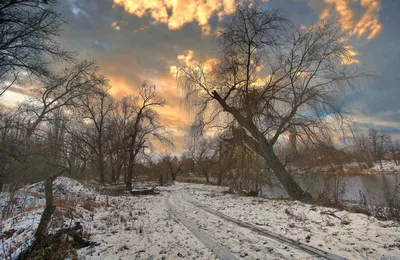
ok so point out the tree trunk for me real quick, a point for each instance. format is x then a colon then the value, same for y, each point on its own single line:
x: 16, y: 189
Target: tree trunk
x: 219, y: 179
x: 130, y: 170
x: 259, y: 144
x: 207, y: 179
x: 119, y: 169
x: 48, y: 211
x: 81, y: 172
x: 220, y: 168
x: 287, y: 181
x: 41, y: 231
x: 101, y: 167
x: 113, y: 175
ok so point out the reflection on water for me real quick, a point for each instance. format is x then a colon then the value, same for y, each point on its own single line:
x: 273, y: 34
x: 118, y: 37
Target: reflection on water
x: 377, y: 189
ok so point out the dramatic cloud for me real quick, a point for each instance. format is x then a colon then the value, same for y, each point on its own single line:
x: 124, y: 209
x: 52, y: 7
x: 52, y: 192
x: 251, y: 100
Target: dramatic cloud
x: 176, y: 13
x: 143, y: 50
x: 366, y: 24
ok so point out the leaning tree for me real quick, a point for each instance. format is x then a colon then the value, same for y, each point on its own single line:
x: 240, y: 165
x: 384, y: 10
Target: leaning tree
x: 272, y: 79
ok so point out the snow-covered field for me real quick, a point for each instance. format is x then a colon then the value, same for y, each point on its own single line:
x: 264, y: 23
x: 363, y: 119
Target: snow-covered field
x: 142, y: 227
x: 353, y: 236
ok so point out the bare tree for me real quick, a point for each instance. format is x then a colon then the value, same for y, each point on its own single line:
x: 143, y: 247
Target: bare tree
x: 396, y: 152
x: 270, y: 79
x: 76, y: 152
x: 59, y: 91
x: 94, y: 108
x: 363, y: 151
x: 143, y: 124
x: 203, y: 152
x: 27, y: 39
x: 43, y: 144
x: 173, y: 164
x: 380, y: 143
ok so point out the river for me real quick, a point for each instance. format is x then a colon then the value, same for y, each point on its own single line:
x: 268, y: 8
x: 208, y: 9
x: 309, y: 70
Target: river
x: 372, y: 189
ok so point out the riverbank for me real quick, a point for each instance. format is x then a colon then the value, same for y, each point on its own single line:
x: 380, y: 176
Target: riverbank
x: 388, y: 167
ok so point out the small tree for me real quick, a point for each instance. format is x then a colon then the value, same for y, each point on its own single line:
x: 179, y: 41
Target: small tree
x: 173, y: 164
x: 380, y: 143
x: 203, y: 152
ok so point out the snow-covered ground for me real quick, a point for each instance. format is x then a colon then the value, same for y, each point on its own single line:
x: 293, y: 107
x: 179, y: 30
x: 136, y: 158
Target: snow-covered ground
x: 139, y: 228
x: 387, y: 167
x: 22, y: 215
x: 353, y: 236
x: 142, y: 227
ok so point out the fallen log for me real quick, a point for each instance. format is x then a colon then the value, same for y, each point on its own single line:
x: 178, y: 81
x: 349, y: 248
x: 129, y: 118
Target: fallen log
x: 151, y: 191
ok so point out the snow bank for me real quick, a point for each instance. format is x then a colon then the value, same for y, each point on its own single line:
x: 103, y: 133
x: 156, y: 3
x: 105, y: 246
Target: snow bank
x: 22, y: 213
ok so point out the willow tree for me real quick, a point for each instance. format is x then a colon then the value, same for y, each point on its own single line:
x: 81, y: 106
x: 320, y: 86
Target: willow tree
x: 272, y: 79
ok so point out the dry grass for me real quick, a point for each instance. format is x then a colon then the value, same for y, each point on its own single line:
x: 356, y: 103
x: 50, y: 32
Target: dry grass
x: 90, y: 204
x: 192, y: 180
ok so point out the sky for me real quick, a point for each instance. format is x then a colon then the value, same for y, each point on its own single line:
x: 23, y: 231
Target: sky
x: 137, y: 40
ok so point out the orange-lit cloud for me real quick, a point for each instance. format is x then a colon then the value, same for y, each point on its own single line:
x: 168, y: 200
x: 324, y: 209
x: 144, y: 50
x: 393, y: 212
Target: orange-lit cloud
x: 369, y: 21
x: 176, y: 13
x: 171, y: 115
x: 116, y: 26
x: 187, y: 59
x: 366, y: 24
x: 350, y: 59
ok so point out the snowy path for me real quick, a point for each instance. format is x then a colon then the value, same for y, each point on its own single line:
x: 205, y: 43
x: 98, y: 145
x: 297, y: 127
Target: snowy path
x: 350, y: 235
x: 206, y: 239
x: 287, y: 241
x: 240, y: 240
x: 140, y: 228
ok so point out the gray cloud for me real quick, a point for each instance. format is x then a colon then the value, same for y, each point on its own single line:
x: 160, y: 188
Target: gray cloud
x: 144, y: 50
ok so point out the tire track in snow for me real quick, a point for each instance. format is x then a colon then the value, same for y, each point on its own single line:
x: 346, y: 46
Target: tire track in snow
x: 288, y: 241
x: 240, y: 240
x: 214, y: 246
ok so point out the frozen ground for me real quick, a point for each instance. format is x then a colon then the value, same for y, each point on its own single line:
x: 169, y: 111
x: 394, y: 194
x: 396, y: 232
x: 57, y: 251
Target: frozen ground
x: 143, y: 227
x: 139, y: 228
x: 353, y: 236
x: 20, y: 218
